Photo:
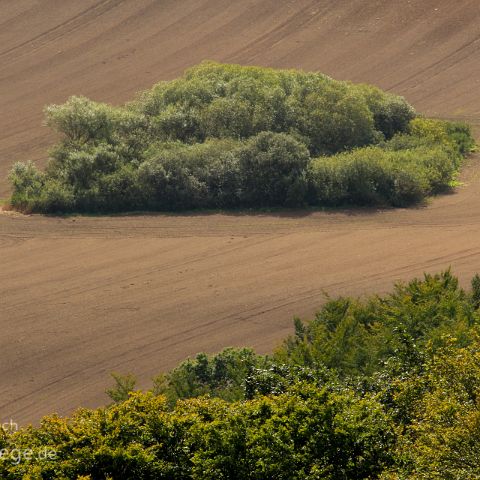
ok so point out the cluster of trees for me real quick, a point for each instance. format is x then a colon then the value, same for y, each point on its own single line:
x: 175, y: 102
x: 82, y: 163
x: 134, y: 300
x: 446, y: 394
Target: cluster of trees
x: 384, y: 387
x: 226, y: 136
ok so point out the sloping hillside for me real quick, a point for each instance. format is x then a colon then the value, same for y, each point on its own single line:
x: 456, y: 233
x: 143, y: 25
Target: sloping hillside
x: 83, y: 296
x: 110, y: 49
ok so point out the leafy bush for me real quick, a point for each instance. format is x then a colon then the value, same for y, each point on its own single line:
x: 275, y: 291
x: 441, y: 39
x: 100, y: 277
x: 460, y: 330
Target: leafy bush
x: 178, y: 176
x: 391, y: 114
x: 462, y: 137
x: 443, y: 438
x: 386, y: 175
x: 82, y: 120
x: 369, y: 176
x: 124, y: 385
x: 235, y: 101
x: 222, y: 375
x: 27, y: 182
x: 227, y: 118
x: 272, y: 168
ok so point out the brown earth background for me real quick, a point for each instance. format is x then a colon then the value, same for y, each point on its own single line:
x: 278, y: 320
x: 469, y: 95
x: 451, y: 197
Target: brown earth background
x: 83, y: 296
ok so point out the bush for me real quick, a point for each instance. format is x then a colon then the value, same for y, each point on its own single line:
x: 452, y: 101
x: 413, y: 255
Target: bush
x: 177, y: 176
x: 124, y: 385
x: 27, y: 182
x: 56, y: 197
x: 334, y: 123
x: 116, y: 192
x: 368, y: 176
x: 462, y: 136
x: 222, y: 375
x: 357, y: 338
x: 267, y: 170
x: 82, y: 120
x: 381, y: 176
x: 455, y: 135
x: 227, y: 118
x: 272, y: 168
x: 391, y: 114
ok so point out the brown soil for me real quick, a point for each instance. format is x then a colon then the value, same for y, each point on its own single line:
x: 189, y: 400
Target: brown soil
x: 83, y: 296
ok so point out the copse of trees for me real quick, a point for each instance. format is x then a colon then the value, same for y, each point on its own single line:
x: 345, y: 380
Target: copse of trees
x: 215, y: 100
x: 225, y: 136
x: 385, y: 387
x: 305, y: 433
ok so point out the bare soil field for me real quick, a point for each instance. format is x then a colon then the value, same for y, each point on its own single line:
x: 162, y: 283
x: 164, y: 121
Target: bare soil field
x: 83, y: 296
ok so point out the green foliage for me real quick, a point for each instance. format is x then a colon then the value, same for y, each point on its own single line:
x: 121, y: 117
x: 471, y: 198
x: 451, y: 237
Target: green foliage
x: 462, y: 137
x: 226, y: 136
x: 82, y: 120
x: 391, y: 114
x: 368, y: 176
x: 177, y: 176
x: 386, y: 387
x: 272, y: 168
x: 476, y: 291
x: 306, y: 433
x: 442, y: 439
x: 222, y: 375
x: 214, y: 100
x: 357, y: 338
x: 124, y: 385
x: 276, y: 378
x: 27, y: 182
x: 227, y: 118
x: 384, y: 175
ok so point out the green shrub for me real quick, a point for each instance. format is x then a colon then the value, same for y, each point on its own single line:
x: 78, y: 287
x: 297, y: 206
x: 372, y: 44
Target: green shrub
x: 118, y: 191
x: 227, y: 118
x: 177, y: 176
x: 176, y: 123
x: 55, y: 197
x: 82, y: 120
x: 455, y: 135
x: 272, y: 168
x: 357, y: 338
x: 267, y: 170
x: 124, y: 385
x: 27, y: 182
x: 391, y: 114
x: 462, y: 136
x: 334, y: 122
x: 172, y: 184
x: 367, y: 176
x: 222, y: 375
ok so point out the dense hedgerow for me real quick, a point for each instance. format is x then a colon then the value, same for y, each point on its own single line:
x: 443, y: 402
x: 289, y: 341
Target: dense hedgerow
x: 381, y: 388
x: 225, y: 136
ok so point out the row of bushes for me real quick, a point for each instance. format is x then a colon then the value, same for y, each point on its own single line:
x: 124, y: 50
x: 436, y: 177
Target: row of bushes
x: 267, y: 170
x: 382, y: 388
